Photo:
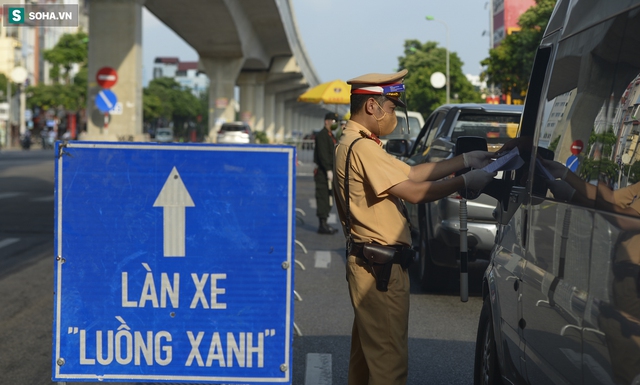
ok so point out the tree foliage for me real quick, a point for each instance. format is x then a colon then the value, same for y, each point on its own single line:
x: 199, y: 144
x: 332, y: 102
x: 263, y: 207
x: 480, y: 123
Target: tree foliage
x: 165, y: 100
x: 598, y: 162
x: 3, y: 87
x: 69, y: 50
x: 509, y: 64
x: 422, y: 60
x: 71, y: 95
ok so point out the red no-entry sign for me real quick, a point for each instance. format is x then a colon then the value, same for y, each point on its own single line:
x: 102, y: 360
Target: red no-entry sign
x: 106, y: 77
x: 576, y: 147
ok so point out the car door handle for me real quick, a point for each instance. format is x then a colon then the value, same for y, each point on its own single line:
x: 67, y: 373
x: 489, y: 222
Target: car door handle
x: 566, y: 327
x: 543, y: 302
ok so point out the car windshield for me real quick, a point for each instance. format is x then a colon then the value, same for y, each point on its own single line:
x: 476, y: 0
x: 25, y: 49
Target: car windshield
x: 494, y: 128
x: 233, y: 128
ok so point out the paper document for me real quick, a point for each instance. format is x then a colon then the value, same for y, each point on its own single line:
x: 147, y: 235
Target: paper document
x: 507, y: 162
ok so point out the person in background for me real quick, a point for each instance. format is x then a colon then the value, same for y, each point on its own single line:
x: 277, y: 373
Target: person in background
x: 325, y: 143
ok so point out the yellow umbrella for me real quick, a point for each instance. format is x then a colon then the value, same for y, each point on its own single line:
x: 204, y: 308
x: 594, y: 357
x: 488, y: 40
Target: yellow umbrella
x: 333, y: 92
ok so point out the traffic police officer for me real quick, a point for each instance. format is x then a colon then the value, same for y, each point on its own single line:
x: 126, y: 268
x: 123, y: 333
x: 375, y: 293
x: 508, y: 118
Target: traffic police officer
x: 378, y: 183
x: 325, y: 143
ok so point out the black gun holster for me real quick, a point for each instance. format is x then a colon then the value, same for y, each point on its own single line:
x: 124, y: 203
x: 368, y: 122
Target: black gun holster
x: 381, y: 259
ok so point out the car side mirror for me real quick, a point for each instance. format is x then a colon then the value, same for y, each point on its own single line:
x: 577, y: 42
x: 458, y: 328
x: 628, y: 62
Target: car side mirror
x: 468, y: 144
x: 398, y: 147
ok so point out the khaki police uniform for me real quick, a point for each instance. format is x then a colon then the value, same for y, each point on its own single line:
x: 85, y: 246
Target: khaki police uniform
x: 379, y: 341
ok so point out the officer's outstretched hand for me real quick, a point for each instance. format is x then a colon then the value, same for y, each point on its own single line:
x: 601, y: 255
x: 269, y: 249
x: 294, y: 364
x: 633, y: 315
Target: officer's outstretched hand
x: 476, y: 179
x: 477, y: 159
x: 557, y: 169
x: 561, y: 190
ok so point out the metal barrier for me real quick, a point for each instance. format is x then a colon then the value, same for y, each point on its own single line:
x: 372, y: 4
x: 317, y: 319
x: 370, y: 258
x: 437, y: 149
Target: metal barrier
x: 304, y: 150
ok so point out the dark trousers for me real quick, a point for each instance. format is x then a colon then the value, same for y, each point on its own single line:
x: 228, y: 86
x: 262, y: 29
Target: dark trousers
x: 322, y: 194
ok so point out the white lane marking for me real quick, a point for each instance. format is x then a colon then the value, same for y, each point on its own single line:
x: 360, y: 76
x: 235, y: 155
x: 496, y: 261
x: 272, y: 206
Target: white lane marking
x: 322, y: 259
x: 312, y: 203
x: 8, y: 241
x: 43, y: 199
x: 318, y: 369
x: 333, y: 219
x: 8, y: 195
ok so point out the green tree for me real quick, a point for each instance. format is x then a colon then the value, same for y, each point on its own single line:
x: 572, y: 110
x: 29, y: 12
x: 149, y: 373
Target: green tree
x: 66, y: 97
x: 69, y: 50
x: 167, y: 100
x: 422, y: 60
x: 600, y: 148
x: 3, y: 88
x: 509, y: 64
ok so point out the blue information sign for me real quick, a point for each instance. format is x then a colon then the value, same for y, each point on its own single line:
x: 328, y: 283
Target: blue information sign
x: 174, y: 263
x: 106, y: 100
x: 572, y: 163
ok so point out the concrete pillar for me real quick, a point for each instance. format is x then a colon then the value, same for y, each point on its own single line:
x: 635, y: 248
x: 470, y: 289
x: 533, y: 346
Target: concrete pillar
x: 116, y: 42
x: 270, y: 116
x: 288, y: 119
x: 259, y: 106
x: 295, y: 124
x: 279, y: 126
x: 247, y: 98
x: 252, y: 98
x: 223, y: 73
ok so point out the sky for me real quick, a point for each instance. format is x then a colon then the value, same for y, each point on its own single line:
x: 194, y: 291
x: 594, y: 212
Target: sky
x: 347, y: 38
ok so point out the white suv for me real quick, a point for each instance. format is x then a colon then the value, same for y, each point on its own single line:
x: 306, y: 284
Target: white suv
x: 236, y: 133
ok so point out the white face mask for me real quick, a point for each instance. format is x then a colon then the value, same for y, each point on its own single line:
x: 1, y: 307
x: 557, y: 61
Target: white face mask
x: 386, y: 123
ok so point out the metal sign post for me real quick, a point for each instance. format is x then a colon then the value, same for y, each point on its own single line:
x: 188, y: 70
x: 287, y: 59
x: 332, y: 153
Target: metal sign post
x: 174, y: 263
x: 464, y: 256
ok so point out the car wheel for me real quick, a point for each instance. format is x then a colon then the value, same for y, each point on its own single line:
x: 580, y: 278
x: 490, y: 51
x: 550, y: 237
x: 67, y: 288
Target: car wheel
x: 431, y: 276
x: 486, y: 371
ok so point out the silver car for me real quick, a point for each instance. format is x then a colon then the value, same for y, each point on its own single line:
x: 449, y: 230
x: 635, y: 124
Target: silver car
x: 164, y: 135
x: 236, y: 133
x: 436, y: 225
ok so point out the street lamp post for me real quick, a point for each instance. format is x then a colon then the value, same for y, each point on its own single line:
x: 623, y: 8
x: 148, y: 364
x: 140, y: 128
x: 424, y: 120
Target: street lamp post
x: 448, y: 89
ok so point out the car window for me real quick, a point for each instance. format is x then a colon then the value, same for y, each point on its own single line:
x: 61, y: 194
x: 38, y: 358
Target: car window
x: 231, y: 128
x: 427, y: 135
x: 493, y: 127
x: 592, y: 109
x: 402, y: 124
x: 414, y: 125
x: 438, y: 123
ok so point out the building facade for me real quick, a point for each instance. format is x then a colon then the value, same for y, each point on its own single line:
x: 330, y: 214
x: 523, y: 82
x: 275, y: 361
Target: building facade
x: 185, y: 73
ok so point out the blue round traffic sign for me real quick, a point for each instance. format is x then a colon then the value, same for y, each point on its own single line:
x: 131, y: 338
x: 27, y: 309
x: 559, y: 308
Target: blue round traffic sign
x: 106, y: 100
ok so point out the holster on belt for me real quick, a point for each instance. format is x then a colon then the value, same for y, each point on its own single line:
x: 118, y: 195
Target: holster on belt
x: 381, y: 259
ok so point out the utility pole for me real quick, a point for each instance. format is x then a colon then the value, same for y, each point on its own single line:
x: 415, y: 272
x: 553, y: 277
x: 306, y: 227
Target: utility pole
x: 493, y: 91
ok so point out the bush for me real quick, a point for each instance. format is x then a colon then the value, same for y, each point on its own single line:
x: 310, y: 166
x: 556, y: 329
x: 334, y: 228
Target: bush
x: 261, y: 137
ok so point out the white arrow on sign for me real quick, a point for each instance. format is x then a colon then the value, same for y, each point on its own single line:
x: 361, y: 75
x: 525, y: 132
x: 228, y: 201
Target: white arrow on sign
x: 173, y: 198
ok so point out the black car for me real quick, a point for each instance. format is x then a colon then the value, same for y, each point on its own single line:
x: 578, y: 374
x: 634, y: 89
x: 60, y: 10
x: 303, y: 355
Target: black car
x: 561, y: 295
x: 436, y: 225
